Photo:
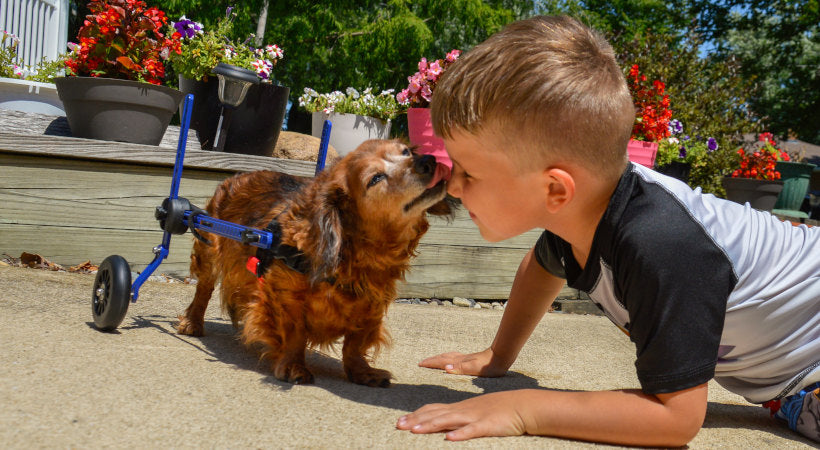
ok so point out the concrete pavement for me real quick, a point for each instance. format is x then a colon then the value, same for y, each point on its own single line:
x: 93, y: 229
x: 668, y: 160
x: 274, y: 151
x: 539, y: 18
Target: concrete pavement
x: 65, y: 384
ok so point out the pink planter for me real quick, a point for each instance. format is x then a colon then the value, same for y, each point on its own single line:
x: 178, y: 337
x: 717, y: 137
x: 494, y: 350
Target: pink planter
x: 643, y: 153
x: 420, y: 130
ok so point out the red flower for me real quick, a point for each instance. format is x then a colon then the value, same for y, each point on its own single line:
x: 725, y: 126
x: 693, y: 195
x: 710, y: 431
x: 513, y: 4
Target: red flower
x: 652, y: 104
x: 123, y: 39
x: 761, y: 164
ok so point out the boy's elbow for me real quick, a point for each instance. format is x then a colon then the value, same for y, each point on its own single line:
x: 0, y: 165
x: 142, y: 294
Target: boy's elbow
x: 688, y: 412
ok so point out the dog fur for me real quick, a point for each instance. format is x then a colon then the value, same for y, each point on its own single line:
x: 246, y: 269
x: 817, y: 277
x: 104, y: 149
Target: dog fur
x: 358, y: 224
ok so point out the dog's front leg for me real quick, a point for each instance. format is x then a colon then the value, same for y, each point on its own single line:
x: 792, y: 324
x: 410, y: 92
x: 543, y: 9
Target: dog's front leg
x: 356, y: 367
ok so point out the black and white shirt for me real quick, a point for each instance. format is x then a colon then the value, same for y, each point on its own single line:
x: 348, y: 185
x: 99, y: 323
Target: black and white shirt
x: 704, y: 287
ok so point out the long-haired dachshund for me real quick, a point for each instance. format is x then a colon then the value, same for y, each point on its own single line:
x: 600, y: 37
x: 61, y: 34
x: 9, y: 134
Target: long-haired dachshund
x: 347, y: 237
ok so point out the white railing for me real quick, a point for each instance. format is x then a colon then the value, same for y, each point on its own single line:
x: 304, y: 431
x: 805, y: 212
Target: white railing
x: 41, y: 25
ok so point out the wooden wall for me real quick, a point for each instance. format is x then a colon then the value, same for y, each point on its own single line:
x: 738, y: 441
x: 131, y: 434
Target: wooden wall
x: 73, y: 200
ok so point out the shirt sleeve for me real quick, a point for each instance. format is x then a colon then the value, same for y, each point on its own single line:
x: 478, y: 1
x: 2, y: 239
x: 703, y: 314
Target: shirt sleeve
x: 675, y: 283
x: 547, y: 254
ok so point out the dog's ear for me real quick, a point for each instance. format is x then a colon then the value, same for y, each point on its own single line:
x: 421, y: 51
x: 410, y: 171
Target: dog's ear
x: 329, y: 232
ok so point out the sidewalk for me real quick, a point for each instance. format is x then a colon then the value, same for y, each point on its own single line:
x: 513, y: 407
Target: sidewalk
x: 65, y: 384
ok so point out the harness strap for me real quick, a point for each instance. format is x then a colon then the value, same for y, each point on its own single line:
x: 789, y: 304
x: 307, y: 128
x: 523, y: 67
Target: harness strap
x: 290, y: 255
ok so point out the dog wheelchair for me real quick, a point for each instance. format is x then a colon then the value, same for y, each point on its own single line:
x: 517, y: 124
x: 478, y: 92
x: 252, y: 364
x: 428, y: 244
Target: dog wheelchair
x: 113, y: 289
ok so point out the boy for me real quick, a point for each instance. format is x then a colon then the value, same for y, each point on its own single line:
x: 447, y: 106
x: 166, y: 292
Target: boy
x: 536, y: 120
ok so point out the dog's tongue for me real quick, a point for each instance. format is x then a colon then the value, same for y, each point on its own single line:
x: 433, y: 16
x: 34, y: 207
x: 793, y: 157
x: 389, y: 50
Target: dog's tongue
x: 442, y: 173
x: 443, y: 163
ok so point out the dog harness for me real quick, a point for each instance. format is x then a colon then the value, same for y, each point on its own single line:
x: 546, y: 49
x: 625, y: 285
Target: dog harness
x: 290, y: 255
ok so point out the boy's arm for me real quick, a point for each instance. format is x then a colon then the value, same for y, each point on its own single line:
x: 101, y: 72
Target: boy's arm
x: 531, y: 295
x: 627, y: 417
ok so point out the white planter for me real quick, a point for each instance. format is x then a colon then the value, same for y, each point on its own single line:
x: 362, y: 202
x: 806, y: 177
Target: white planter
x: 349, y: 130
x: 30, y: 96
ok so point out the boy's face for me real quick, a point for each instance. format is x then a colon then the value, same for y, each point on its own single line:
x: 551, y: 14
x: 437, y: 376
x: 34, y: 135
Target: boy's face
x: 501, y: 199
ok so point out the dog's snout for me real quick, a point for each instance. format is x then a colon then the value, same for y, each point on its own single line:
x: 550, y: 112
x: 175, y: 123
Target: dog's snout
x: 425, y: 164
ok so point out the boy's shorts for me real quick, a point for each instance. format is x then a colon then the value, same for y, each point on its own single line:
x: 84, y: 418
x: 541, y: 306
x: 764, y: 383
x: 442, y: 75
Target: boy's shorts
x: 800, y: 411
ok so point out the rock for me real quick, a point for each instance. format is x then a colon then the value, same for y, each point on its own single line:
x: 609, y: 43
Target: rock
x: 485, y: 305
x: 464, y: 302
x: 303, y: 147
x: 447, y: 303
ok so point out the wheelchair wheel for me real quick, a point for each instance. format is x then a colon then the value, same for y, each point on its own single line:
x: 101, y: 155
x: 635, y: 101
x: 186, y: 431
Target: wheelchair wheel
x: 112, y: 292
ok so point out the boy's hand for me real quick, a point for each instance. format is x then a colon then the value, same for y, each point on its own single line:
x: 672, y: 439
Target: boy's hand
x: 481, y: 364
x: 486, y: 415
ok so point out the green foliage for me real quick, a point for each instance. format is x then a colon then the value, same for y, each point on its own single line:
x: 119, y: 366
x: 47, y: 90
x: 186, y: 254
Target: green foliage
x: 211, y: 46
x: 707, y: 94
x: 44, y: 71
x: 777, y: 44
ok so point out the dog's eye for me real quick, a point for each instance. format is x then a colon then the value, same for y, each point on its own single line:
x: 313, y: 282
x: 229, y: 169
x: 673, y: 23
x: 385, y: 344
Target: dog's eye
x: 405, y: 152
x: 376, y: 178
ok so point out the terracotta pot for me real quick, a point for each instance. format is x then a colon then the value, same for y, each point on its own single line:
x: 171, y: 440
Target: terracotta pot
x: 117, y: 110
x: 642, y: 152
x: 349, y: 130
x: 760, y: 194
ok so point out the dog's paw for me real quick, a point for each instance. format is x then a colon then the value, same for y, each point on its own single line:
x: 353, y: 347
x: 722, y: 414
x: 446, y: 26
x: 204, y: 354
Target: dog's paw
x: 293, y: 373
x: 370, y: 377
x: 189, y: 328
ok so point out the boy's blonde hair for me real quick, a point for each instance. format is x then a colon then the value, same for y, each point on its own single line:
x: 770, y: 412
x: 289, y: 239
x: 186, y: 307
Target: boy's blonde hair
x: 548, y: 84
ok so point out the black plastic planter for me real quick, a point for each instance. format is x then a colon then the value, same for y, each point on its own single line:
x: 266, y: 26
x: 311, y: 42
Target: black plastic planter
x: 255, y: 124
x: 117, y: 110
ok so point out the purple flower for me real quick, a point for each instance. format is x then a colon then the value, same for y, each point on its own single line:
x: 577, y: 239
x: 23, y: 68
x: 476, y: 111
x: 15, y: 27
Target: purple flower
x: 682, y: 153
x: 712, y: 144
x: 187, y: 28
x: 675, y: 126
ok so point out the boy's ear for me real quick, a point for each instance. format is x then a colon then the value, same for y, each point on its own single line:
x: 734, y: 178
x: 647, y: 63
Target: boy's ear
x: 560, y: 188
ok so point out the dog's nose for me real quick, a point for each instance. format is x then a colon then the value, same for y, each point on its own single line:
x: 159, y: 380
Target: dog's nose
x: 425, y: 164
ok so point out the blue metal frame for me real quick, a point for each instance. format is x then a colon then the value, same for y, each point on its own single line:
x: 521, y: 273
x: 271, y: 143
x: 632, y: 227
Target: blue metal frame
x: 241, y: 233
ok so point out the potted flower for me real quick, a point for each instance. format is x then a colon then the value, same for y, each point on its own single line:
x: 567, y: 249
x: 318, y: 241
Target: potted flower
x: 256, y: 123
x: 652, y: 117
x: 26, y: 88
x: 796, y: 176
x: 113, y: 88
x: 356, y: 117
x: 416, y: 98
x: 679, y: 153
x: 756, y: 180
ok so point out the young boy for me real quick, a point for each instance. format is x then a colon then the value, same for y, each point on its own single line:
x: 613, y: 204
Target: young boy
x: 536, y: 120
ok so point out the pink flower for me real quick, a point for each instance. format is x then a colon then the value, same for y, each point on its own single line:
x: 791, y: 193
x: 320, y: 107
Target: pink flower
x: 426, y: 92
x: 434, y: 71
x: 423, y: 65
x: 453, y: 56
x: 415, y: 83
x: 401, y: 97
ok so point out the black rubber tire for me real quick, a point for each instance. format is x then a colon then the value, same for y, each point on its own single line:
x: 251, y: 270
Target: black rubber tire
x: 112, y: 293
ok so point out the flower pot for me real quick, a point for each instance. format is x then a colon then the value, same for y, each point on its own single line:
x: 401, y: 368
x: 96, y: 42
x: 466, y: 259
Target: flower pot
x: 676, y: 169
x: 349, y: 130
x: 117, y: 110
x: 30, y: 96
x: 760, y: 194
x: 420, y: 133
x: 255, y: 124
x: 796, y: 177
x: 642, y: 152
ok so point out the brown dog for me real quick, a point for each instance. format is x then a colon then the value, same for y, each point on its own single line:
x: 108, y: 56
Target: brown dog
x: 352, y: 230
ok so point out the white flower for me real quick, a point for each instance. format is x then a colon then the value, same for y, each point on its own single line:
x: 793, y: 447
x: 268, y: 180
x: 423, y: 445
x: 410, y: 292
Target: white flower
x: 673, y: 140
x: 352, y: 92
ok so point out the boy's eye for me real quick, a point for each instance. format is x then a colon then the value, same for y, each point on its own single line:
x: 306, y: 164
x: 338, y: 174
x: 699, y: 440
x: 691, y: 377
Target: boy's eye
x: 376, y: 178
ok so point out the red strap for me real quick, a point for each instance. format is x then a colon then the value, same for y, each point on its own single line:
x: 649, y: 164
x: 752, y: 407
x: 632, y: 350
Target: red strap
x: 253, y: 263
x: 773, y: 406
